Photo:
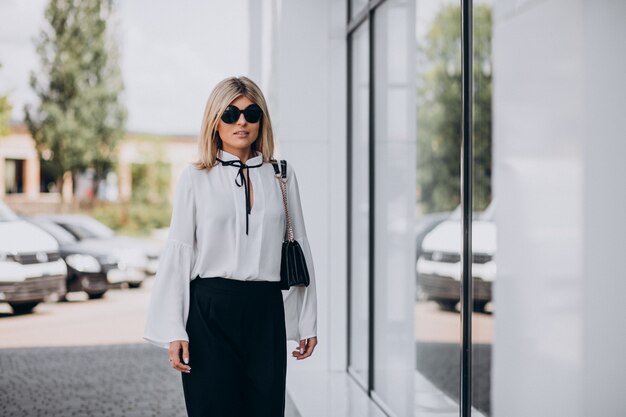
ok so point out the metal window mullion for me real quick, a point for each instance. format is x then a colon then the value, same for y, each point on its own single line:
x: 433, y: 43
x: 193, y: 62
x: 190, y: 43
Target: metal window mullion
x: 349, y: 192
x: 466, y: 208
x: 372, y: 201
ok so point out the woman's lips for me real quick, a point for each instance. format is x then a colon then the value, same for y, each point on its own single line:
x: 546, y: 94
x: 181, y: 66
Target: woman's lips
x: 241, y: 133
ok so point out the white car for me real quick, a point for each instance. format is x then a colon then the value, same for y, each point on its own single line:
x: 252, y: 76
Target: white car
x: 439, y: 263
x: 31, y: 268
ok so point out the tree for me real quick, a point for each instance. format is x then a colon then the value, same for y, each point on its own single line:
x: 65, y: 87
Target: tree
x: 5, y: 114
x: 79, y: 118
x: 440, y: 111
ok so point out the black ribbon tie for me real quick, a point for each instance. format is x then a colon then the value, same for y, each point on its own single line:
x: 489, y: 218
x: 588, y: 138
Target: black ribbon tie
x: 240, y: 180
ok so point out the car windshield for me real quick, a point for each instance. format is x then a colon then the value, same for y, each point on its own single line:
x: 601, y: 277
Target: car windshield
x: 456, y: 214
x: 489, y: 212
x: 6, y: 215
x: 86, y: 228
x: 60, y: 234
x: 486, y: 215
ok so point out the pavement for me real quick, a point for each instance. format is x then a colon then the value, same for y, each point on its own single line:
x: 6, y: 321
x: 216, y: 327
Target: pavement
x: 130, y: 380
x: 440, y: 364
x: 87, y: 358
x: 438, y: 351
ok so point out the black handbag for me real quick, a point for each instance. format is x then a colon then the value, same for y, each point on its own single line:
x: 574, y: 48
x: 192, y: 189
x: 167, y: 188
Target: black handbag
x: 293, y: 269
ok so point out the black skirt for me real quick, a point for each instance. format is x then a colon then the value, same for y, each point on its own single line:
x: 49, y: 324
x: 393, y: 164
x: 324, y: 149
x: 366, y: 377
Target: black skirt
x: 237, y: 349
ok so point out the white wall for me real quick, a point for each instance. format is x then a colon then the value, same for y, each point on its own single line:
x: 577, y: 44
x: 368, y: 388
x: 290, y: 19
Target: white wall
x: 560, y: 179
x: 302, y: 71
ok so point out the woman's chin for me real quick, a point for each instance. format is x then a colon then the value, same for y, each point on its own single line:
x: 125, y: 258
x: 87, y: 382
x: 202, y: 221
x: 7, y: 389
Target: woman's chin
x: 243, y: 141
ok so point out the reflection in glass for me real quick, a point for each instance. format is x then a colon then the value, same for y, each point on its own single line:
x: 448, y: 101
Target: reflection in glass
x: 483, y: 227
x: 394, y: 212
x: 359, y: 290
x: 438, y: 237
x: 357, y: 6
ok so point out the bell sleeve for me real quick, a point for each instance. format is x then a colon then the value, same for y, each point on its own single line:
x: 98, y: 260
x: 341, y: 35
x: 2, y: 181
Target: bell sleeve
x: 169, y: 302
x: 300, y: 302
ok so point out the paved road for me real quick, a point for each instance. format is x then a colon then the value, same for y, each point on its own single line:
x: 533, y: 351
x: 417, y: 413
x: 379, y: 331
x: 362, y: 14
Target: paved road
x: 96, y: 381
x: 440, y: 362
x: 87, y: 358
x: 434, y: 325
x: 117, y: 318
x: 438, y: 350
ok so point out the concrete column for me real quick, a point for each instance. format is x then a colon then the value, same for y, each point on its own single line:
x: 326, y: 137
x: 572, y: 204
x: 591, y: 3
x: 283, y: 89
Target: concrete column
x: 559, y: 181
x: 31, y: 177
x: 68, y: 187
x: 125, y: 181
x: 2, y: 165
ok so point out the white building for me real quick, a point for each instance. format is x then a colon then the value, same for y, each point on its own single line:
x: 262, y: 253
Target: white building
x: 342, y: 96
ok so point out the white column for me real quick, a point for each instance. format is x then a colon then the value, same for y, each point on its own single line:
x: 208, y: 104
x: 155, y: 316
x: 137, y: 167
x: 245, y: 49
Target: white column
x: 302, y: 72
x: 560, y: 182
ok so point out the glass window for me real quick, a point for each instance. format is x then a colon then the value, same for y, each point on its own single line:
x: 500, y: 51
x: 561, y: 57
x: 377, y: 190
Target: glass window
x: 438, y: 190
x: 484, y: 226
x: 86, y: 228
x: 360, y: 209
x: 6, y: 214
x: 356, y: 6
x: 60, y: 234
x: 394, y: 211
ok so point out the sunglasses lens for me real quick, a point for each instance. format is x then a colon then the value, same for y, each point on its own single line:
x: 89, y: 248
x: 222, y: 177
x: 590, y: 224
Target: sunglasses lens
x: 230, y: 115
x: 253, y: 113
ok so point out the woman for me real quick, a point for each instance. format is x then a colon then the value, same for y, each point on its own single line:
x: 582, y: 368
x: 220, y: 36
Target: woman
x: 216, y: 303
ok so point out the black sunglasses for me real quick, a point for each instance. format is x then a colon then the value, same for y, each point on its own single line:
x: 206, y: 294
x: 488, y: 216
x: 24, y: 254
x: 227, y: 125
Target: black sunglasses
x: 252, y: 114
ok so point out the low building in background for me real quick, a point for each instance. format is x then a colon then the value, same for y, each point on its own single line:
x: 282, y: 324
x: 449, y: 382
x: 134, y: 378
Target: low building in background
x: 26, y: 187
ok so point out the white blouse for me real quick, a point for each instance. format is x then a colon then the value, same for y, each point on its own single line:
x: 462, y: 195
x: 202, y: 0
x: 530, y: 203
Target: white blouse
x: 208, y: 238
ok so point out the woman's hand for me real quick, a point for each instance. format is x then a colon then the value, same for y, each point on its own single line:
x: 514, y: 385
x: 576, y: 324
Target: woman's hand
x: 175, y: 356
x: 306, y: 347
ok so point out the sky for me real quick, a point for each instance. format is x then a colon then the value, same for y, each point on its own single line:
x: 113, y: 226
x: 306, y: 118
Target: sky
x: 173, y: 54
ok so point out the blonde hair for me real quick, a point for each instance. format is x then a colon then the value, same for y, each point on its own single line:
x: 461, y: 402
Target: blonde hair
x: 222, y: 95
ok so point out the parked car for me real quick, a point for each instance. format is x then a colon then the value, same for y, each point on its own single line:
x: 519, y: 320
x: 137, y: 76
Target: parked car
x: 136, y: 258
x: 424, y: 225
x: 438, y: 266
x: 90, y: 265
x: 31, y: 268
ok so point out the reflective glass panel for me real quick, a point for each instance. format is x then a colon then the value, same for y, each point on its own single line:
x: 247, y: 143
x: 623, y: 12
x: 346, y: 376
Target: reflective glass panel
x: 360, y: 209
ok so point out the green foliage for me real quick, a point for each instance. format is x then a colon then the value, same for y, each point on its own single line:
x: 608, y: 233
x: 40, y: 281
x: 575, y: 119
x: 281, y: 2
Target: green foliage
x: 5, y: 115
x: 151, y: 182
x: 79, y: 117
x: 149, y: 207
x: 440, y: 111
x: 133, y: 218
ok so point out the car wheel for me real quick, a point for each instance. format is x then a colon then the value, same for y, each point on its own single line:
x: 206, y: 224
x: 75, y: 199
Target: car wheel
x: 134, y: 284
x: 447, y: 305
x: 479, y: 306
x: 96, y: 295
x: 23, y: 308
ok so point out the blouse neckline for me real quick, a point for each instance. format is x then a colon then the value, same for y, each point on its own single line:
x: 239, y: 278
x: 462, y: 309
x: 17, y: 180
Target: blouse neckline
x: 227, y: 156
x: 229, y: 159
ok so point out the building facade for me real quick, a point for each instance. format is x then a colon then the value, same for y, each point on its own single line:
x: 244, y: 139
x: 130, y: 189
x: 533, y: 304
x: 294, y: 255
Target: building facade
x: 25, y: 187
x: 366, y: 97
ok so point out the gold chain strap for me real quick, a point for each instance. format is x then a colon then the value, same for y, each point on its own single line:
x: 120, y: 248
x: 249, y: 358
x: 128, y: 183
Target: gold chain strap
x: 282, y: 182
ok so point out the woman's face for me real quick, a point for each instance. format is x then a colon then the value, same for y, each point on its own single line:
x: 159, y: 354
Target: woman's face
x: 241, y: 134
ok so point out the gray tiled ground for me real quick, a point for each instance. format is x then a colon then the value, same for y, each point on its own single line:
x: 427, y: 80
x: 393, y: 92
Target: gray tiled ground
x: 98, y: 381
x: 440, y: 362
